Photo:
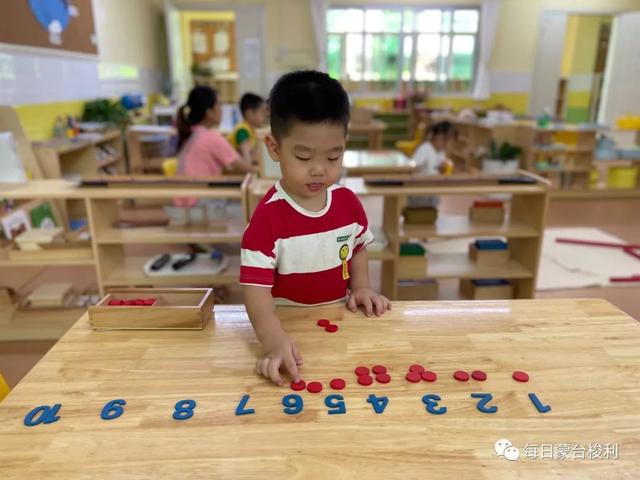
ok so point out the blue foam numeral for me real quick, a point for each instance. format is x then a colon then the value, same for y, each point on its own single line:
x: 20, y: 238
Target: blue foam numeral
x: 431, y: 402
x: 378, y: 403
x: 482, y: 404
x: 538, y: 404
x: 184, y: 409
x: 44, y: 413
x: 240, y: 410
x: 113, y: 409
x: 336, y: 404
x: 293, y: 404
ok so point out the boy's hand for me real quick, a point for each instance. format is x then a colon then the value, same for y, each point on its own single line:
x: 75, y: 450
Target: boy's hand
x: 371, y: 301
x: 279, y: 350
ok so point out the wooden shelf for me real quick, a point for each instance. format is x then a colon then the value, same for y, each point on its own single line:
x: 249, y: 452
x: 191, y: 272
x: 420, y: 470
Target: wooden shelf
x: 47, y: 263
x: 130, y: 273
x: 111, y: 161
x: 458, y: 265
x: 161, y: 235
x: 385, y: 254
x: 456, y: 226
x: 564, y: 170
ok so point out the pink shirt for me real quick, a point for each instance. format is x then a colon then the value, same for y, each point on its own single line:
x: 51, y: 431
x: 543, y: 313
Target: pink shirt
x: 205, y: 154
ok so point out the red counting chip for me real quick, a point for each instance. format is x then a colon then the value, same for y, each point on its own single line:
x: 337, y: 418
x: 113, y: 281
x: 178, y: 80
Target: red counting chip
x: 413, y: 377
x: 337, y: 383
x: 139, y: 302
x: 461, y: 376
x: 365, y: 380
x: 428, y: 376
x: 323, y: 322
x: 416, y: 367
x: 362, y: 371
x: 379, y: 369
x: 149, y: 301
x: 115, y: 302
x: 520, y: 376
x: 298, y: 386
x: 331, y: 328
x: 383, y: 378
x: 314, y: 387
x: 479, y: 375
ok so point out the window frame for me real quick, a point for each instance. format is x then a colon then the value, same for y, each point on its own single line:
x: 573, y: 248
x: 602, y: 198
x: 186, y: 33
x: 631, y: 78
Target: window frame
x: 411, y: 83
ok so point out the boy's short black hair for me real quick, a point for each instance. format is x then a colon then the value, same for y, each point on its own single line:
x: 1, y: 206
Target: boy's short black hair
x: 250, y: 101
x: 307, y: 96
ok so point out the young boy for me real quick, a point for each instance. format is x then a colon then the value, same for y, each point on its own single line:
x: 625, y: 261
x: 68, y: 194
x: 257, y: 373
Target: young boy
x: 305, y: 244
x: 243, y: 137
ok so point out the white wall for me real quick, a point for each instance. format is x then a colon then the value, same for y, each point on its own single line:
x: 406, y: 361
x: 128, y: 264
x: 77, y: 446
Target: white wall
x: 132, y: 58
x: 621, y: 91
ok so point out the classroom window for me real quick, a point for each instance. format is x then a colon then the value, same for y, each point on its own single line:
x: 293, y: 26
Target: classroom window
x: 379, y: 49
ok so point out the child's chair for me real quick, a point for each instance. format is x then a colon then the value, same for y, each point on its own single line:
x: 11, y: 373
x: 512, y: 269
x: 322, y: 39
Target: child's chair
x: 409, y: 146
x: 4, y: 388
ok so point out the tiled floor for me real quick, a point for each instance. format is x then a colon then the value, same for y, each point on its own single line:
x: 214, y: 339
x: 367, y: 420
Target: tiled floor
x: 620, y: 218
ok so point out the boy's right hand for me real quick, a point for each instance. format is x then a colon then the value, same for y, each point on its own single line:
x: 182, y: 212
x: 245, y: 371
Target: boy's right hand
x: 279, y: 350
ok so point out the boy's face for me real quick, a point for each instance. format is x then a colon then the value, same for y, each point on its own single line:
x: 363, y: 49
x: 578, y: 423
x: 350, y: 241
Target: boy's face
x: 310, y: 157
x: 257, y: 117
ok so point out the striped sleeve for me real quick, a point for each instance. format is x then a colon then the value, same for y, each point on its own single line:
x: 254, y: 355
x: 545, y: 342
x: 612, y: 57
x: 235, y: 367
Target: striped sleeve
x: 364, y: 236
x: 257, y: 255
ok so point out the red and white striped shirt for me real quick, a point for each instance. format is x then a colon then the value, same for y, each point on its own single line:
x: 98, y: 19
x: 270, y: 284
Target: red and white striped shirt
x: 304, y: 256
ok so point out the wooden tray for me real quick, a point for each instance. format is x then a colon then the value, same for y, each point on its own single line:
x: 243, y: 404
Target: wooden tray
x: 174, y: 309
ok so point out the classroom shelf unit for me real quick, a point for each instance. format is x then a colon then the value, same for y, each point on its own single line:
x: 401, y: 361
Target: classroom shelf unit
x: 117, y: 255
x: 523, y: 228
x: 562, y: 153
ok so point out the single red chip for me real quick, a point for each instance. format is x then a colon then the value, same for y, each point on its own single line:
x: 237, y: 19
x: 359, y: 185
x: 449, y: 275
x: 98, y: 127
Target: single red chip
x: 314, y: 387
x: 323, y: 322
x: 379, y: 369
x: 365, y: 380
x: 461, y: 376
x: 520, y: 376
x: 337, y: 383
x: 114, y: 302
x: 298, y: 386
x: 428, y: 376
x: 479, y: 375
x: 331, y: 328
x: 383, y: 378
x: 416, y: 367
x: 362, y: 371
x: 413, y: 377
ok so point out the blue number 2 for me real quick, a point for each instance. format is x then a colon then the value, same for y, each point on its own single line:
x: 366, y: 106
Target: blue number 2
x: 482, y: 404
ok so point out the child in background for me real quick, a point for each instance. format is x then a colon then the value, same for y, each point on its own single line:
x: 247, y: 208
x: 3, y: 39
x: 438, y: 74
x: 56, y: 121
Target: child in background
x: 243, y: 138
x: 306, y: 241
x: 203, y: 151
x: 431, y: 158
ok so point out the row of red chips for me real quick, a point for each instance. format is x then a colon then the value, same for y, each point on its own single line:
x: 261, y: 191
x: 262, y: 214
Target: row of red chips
x: 136, y: 302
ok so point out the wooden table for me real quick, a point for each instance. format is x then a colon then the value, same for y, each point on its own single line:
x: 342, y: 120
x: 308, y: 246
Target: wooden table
x: 367, y: 162
x: 583, y: 357
x: 374, y: 131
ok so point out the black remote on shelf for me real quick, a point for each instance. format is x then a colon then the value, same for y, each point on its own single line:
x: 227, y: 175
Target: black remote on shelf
x: 160, y: 262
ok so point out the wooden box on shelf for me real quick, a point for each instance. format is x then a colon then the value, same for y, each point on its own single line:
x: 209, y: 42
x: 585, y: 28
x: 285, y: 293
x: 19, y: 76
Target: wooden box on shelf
x: 486, y: 289
x: 67, y: 246
x: 489, y: 252
x: 412, y: 262
x: 172, y: 309
x: 420, y: 215
x: 425, y: 289
x: 487, y: 212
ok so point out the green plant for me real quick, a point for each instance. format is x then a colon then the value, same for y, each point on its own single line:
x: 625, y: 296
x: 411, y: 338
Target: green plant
x: 505, y: 152
x: 105, y: 110
x: 201, y: 70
